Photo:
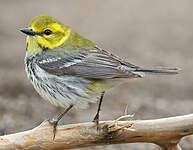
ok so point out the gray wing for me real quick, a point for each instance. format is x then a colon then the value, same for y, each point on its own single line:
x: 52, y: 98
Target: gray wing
x: 96, y: 64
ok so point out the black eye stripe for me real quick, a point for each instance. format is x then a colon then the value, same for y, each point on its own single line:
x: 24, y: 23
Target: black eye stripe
x: 47, y: 32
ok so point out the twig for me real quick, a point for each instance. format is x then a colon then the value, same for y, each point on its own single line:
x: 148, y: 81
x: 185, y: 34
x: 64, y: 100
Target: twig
x: 165, y: 132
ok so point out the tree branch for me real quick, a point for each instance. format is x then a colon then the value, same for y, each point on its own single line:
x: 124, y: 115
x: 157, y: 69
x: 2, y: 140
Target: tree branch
x: 164, y: 132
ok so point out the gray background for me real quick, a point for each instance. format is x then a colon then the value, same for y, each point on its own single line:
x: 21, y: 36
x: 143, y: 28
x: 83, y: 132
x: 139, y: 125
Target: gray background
x: 144, y: 32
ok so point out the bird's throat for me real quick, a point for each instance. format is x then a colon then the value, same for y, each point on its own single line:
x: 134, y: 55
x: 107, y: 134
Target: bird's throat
x: 32, y: 46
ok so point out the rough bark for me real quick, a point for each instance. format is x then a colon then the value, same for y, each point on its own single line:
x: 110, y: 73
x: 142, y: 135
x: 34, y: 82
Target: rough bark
x: 165, y: 132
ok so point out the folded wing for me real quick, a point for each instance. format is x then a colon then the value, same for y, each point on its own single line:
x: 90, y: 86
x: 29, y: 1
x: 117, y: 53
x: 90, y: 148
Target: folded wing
x: 96, y: 64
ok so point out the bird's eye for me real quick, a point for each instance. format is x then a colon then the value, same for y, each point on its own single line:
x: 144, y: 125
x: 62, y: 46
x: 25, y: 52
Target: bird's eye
x: 47, y: 32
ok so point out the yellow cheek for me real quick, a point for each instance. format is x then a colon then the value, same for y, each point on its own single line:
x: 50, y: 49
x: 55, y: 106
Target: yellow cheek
x: 52, y: 43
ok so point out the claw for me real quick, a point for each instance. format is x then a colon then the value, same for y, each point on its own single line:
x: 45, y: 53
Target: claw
x: 96, y: 121
x: 54, y: 123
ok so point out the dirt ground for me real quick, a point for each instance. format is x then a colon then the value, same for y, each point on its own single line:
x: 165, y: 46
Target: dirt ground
x: 146, y: 33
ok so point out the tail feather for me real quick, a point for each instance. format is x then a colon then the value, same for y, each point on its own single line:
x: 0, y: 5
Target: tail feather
x: 156, y: 71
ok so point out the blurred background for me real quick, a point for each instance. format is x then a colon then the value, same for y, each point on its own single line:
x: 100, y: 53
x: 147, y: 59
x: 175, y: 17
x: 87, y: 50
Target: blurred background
x: 145, y: 32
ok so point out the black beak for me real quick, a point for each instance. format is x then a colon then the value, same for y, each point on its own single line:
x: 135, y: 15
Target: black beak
x: 28, y: 31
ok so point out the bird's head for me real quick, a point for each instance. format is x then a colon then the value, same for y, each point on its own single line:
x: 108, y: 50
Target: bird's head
x: 45, y: 32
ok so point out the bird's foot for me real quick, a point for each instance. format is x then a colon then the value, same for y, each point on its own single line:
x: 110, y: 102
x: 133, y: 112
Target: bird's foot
x: 96, y: 121
x: 54, y: 123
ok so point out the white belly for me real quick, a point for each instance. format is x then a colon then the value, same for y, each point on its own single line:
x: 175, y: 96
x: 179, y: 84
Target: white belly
x: 62, y: 90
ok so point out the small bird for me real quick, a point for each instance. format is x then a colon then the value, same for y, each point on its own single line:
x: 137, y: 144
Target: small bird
x: 71, y: 71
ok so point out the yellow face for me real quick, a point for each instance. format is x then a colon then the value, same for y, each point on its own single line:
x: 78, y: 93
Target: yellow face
x: 45, y: 32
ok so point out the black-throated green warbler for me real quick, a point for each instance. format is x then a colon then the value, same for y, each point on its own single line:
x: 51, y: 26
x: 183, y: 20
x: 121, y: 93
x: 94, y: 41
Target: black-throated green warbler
x: 71, y: 71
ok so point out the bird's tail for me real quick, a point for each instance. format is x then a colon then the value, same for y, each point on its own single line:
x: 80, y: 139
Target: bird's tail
x: 156, y: 71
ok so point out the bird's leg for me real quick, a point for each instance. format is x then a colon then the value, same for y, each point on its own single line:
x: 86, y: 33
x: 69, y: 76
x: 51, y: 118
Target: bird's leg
x: 96, y: 118
x: 54, y: 122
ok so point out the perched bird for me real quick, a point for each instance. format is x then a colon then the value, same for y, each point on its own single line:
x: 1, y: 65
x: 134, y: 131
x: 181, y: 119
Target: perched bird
x: 71, y: 71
